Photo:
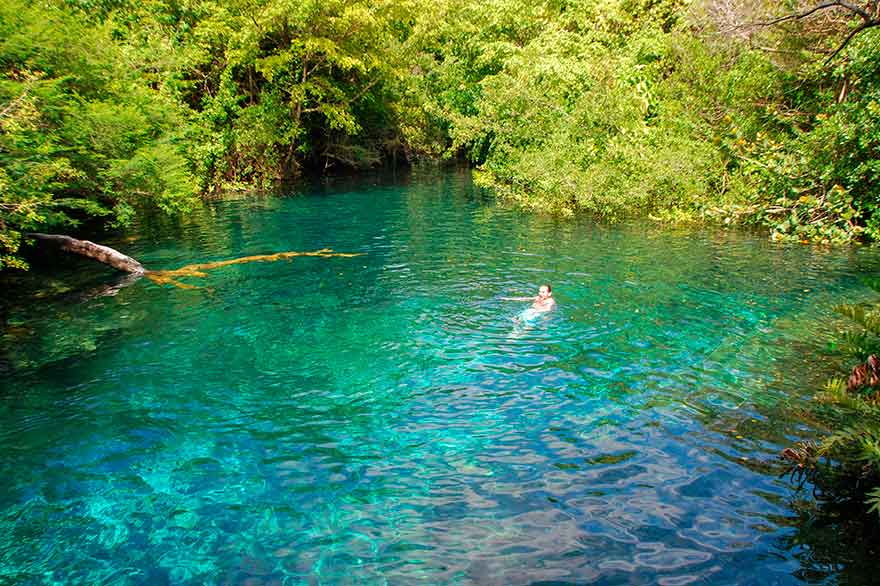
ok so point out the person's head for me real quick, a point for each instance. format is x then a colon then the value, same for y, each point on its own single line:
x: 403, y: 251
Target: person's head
x: 544, y: 291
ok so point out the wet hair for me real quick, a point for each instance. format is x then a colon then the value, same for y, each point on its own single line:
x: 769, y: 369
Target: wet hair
x: 549, y: 289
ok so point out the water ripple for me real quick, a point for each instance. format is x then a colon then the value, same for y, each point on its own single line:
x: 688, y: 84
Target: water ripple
x: 383, y: 419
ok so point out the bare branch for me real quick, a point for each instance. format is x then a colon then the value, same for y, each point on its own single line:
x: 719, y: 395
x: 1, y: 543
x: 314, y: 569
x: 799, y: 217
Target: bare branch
x: 798, y: 16
x: 854, y: 8
x: 855, y: 31
x: 869, y: 20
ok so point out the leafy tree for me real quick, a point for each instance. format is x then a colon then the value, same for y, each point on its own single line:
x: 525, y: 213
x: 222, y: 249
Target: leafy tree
x: 278, y: 84
x: 81, y: 135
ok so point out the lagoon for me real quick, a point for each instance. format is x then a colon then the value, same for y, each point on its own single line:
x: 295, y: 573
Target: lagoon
x: 381, y: 419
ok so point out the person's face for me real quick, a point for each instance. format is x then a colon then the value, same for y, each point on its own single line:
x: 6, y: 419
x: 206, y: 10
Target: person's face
x: 543, y: 292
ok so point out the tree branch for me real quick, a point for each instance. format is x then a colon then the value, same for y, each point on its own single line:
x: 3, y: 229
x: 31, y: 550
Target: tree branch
x: 800, y: 15
x: 854, y: 8
x: 868, y: 20
x: 98, y: 252
x: 363, y: 91
x: 855, y: 31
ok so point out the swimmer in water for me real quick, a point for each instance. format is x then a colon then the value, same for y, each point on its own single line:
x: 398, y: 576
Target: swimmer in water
x: 541, y: 303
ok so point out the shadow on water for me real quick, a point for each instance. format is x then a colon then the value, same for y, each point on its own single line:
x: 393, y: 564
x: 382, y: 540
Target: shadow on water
x: 832, y: 543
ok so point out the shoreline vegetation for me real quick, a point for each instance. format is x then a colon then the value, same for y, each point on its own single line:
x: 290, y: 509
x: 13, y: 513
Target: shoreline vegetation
x: 738, y: 112
x: 730, y: 111
x: 843, y: 467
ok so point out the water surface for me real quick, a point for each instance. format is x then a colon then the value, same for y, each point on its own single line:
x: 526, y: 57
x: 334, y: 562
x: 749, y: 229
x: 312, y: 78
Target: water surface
x: 382, y: 420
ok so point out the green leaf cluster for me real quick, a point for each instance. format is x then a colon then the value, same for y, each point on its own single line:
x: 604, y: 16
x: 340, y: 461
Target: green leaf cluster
x: 82, y: 134
x: 276, y: 85
x: 845, y: 465
x: 617, y: 107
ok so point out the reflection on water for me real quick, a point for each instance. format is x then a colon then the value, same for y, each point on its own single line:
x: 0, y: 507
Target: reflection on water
x: 383, y: 419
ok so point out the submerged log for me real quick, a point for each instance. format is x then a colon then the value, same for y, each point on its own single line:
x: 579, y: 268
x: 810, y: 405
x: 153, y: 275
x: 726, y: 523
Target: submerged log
x: 121, y: 262
x: 170, y: 277
x: 97, y: 252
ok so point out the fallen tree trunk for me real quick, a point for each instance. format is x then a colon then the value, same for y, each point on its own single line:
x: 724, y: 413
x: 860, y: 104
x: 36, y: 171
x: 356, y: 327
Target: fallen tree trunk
x: 119, y: 261
x: 97, y: 252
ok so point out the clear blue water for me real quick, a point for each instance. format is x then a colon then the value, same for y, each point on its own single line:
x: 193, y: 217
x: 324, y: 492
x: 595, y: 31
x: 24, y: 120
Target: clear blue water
x: 382, y: 419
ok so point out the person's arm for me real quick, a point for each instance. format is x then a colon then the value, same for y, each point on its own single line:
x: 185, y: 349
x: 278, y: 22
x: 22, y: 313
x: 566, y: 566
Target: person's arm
x: 516, y: 298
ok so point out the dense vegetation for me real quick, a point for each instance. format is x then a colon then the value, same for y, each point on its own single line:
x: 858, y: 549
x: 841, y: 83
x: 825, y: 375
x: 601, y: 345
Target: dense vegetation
x: 612, y: 107
x: 642, y: 107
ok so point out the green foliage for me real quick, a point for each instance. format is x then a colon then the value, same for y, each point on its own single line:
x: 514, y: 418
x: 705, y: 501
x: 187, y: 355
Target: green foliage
x: 609, y: 107
x: 864, y: 340
x: 846, y: 464
x: 818, y: 179
x: 81, y: 135
x: 617, y: 108
x: 283, y: 83
x: 592, y: 111
x: 561, y: 116
x: 874, y: 501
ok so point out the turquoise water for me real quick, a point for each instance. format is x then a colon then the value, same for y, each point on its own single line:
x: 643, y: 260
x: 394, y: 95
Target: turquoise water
x: 382, y: 419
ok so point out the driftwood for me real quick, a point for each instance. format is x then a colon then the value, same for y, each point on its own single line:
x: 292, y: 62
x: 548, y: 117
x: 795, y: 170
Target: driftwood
x: 124, y: 263
x: 97, y: 252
